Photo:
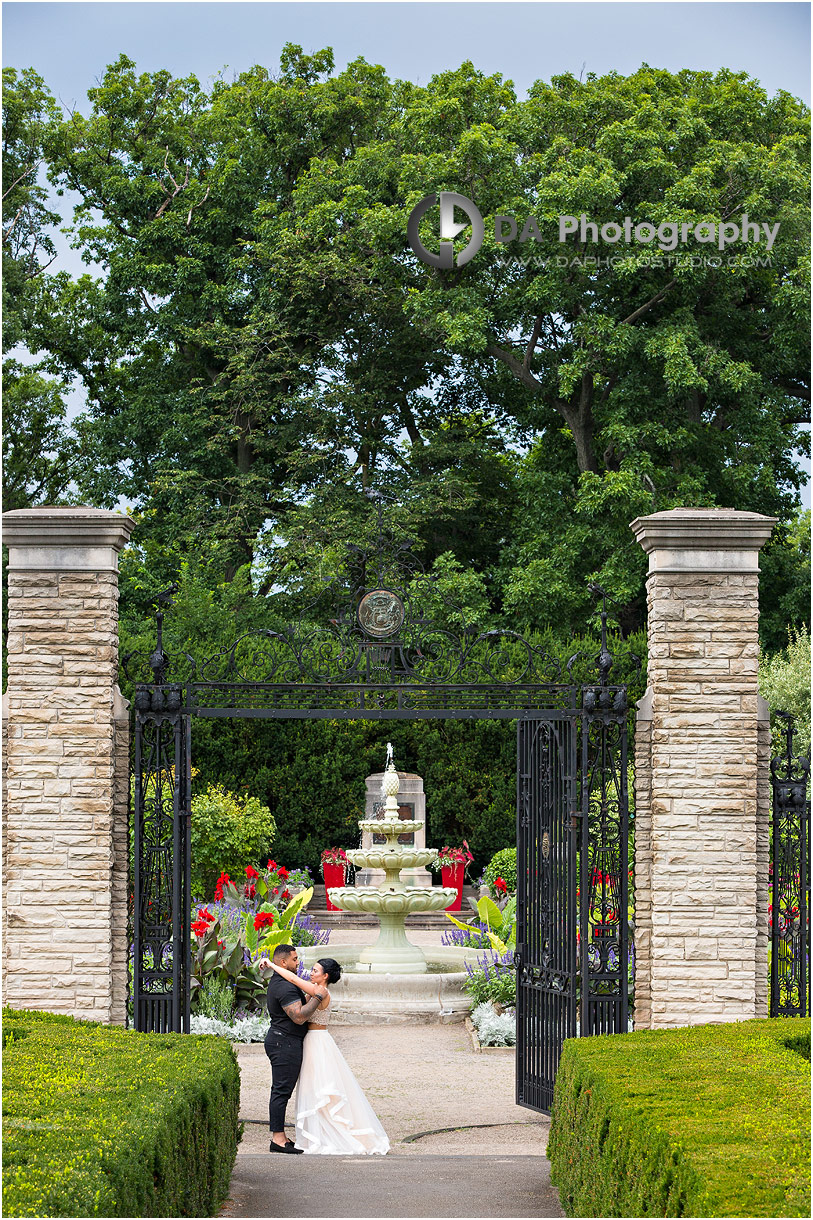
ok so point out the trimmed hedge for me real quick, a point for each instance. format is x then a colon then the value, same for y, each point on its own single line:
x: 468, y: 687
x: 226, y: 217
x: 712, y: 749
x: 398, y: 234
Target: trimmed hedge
x: 102, y: 1121
x: 708, y: 1120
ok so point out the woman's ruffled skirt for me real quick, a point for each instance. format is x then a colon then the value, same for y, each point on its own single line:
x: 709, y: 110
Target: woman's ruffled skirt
x: 332, y: 1114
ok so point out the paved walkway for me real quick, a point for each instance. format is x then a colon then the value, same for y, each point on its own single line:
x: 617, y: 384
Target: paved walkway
x: 420, y: 1079
x: 460, y: 1146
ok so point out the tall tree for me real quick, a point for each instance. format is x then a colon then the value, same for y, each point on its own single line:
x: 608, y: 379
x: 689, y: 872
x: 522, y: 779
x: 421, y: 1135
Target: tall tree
x: 39, y: 448
x: 266, y: 346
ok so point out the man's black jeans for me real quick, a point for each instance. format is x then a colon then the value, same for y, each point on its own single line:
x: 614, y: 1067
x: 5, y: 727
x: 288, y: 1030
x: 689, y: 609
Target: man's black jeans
x: 285, y: 1053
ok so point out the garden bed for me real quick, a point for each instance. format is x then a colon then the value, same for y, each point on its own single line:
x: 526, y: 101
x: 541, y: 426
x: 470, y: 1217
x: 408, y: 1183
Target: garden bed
x: 102, y: 1121
x: 710, y: 1120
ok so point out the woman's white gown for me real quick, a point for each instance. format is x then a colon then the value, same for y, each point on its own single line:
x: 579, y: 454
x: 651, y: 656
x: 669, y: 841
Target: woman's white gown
x: 332, y: 1114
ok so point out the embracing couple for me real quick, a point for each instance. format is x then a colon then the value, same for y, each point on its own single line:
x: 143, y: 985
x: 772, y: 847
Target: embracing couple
x: 332, y: 1113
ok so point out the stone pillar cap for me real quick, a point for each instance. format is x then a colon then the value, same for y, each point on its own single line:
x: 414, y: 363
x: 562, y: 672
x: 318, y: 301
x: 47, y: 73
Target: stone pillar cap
x: 703, y: 539
x: 68, y: 525
x: 73, y: 538
x: 701, y: 528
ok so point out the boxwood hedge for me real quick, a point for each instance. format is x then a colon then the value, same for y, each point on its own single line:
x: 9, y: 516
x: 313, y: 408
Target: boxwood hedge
x: 710, y: 1120
x: 102, y: 1121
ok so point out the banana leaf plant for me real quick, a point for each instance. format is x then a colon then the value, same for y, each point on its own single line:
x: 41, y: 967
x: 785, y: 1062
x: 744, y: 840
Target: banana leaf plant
x: 279, y: 930
x: 501, y: 924
x: 214, y: 956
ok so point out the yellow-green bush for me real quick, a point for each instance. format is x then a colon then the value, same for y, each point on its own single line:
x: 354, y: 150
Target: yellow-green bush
x: 710, y: 1120
x: 102, y: 1121
x: 228, y: 832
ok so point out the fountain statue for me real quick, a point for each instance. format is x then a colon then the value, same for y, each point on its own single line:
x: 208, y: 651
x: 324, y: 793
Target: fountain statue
x: 391, y: 901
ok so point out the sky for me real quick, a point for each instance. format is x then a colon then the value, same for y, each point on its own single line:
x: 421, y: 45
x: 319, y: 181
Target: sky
x: 70, y: 44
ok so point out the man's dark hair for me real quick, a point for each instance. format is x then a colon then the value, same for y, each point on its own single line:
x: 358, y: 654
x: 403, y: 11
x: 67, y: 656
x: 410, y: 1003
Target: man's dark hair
x: 283, y: 951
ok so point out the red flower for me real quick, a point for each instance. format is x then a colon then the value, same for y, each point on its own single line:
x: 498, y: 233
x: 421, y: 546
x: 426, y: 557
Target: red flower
x: 264, y: 920
x: 223, y: 879
x: 249, y: 890
x: 251, y: 872
x: 500, y: 885
x: 286, y: 895
x: 205, y: 913
x: 200, y: 927
x: 283, y: 872
x: 272, y: 864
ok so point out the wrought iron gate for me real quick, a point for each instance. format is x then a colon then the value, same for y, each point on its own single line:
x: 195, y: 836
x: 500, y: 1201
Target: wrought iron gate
x: 573, y: 951
x: 790, y: 883
x: 366, y: 650
x: 546, y: 953
x: 161, y: 850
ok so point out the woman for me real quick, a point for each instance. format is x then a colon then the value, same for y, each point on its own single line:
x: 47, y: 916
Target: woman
x: 332, y: 1114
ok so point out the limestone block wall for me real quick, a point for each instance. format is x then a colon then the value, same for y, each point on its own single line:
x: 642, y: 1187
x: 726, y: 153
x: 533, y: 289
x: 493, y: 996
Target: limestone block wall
x: 119, y: 882
x: 643, y: 863
x: 59, y: 817
x: 764, y: 797
x: 701, y: 849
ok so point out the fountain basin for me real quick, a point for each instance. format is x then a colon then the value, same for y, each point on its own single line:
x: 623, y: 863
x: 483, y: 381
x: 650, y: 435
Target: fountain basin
x: 395, y: 902
x: 367, y: 998
x: 382, y: 857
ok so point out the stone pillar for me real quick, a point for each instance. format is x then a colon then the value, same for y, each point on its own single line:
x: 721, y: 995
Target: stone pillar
x: 65, y: 819
x: 412, y: 807
x: 700, y: 838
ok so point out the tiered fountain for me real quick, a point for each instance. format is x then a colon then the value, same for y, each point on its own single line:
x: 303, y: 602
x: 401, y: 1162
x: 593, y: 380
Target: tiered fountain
x: 392, y: 953
x: 393, y: 980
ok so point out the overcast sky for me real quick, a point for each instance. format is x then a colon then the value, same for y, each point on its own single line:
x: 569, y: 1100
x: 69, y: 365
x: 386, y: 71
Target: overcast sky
x: 70, y: 44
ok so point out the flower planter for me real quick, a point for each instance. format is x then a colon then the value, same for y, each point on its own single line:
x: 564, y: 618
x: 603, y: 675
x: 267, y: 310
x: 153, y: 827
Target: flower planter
x: 334, y: 875
x: 452, y: 877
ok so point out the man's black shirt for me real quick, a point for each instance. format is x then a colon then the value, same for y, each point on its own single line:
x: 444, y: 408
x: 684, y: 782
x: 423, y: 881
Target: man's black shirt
x: 281, y: 992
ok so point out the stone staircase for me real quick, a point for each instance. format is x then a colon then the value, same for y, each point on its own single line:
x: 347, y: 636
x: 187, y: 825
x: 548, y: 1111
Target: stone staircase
x: 317, y: 907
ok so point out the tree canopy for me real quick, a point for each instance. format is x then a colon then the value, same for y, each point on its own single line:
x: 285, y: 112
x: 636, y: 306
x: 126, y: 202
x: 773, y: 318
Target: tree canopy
x: 264, y: 345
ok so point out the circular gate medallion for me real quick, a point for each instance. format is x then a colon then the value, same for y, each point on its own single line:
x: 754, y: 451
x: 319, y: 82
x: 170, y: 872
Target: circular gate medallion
x: 381, y: 613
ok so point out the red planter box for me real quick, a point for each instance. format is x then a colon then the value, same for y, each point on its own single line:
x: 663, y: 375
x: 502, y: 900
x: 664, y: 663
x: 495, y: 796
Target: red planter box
x: 334, y: 875
x: 453, y: 876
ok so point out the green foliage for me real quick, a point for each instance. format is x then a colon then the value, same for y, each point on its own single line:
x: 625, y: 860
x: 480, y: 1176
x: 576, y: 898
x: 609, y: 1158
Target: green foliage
x: 503, y: 864
x: 228, y: 832
x: 99, y: 1121
x: 311, y: 774
x: 784, y: 681
x: 264, y: 346
x: 218, y: 961
x: 784, y: 582
x: 500, y: 923
x: 216, y: 999
x: 709, y: 1120
x: 499, y: 985
x: 39, y: 451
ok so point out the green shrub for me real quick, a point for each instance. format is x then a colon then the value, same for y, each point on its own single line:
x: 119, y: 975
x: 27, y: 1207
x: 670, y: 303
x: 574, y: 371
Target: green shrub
x: 100, y: 1121
x: 228, y: 832
x: 503, y: 864
x: 710, y: 1120
x: 784, y: 681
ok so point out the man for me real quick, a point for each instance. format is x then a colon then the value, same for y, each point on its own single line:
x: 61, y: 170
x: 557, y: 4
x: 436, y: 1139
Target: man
x: 289, y: 1012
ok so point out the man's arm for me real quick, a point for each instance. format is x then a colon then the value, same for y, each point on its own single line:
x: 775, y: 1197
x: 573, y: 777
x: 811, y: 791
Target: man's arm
x: 301, y: 1013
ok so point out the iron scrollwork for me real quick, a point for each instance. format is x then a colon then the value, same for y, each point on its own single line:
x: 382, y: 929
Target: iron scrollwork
x: 604, y: 850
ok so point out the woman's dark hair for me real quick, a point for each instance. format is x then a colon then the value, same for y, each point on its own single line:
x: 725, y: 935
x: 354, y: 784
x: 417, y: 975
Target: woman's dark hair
x: 332, y: 969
